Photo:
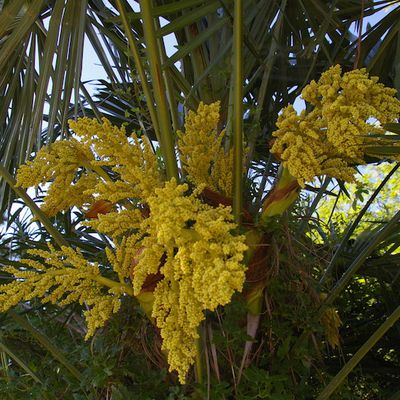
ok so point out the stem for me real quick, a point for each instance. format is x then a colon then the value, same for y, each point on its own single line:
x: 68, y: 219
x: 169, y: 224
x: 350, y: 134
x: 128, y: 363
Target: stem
x: 113, y: 284
x: 140, y: 69
x: 47, y: 344
x: 166, y: 135
x: 199, y: 359
x: 267, y: 64
x: 168, y: 82
x: 238, y: 111
x: 364, y: 349
x: 359, y: 39
x: 122, y: 287
x: 5, y: 349
x: 98, y: 170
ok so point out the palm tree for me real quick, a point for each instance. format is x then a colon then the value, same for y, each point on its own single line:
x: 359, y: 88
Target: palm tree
x: 255, y: 57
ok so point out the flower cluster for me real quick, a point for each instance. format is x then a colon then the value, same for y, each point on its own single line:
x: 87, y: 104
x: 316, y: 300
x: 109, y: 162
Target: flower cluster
x: 77, y: 169
x: 345, y: 119
x: 62, y: 277
x: 202, y: 155
x: 331, y: 323
x: 201, y: 270
x: 62, y: 164
x: 159, y: 229
x: 131, y: 158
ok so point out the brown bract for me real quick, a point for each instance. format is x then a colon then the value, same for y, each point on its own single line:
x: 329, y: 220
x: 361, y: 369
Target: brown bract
x: 214, y: 199
x: 152, y: 279
x: 98, y: 207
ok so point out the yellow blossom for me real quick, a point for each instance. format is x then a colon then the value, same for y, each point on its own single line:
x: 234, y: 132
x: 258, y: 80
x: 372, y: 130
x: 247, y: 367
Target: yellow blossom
x: 130, y: 157
x: 335, y: 135
x: 116, y: 224
x: 331, y: 322
x: 156, y: 228
x: 115, y: 191
x: 76, y: 169
x: 221, y: 174
x: 61, y: 277
x: 125, y: 253
x: 62, y: 195
x: 202, y: 269
x: 59, y: 163
x: 202, y: 154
